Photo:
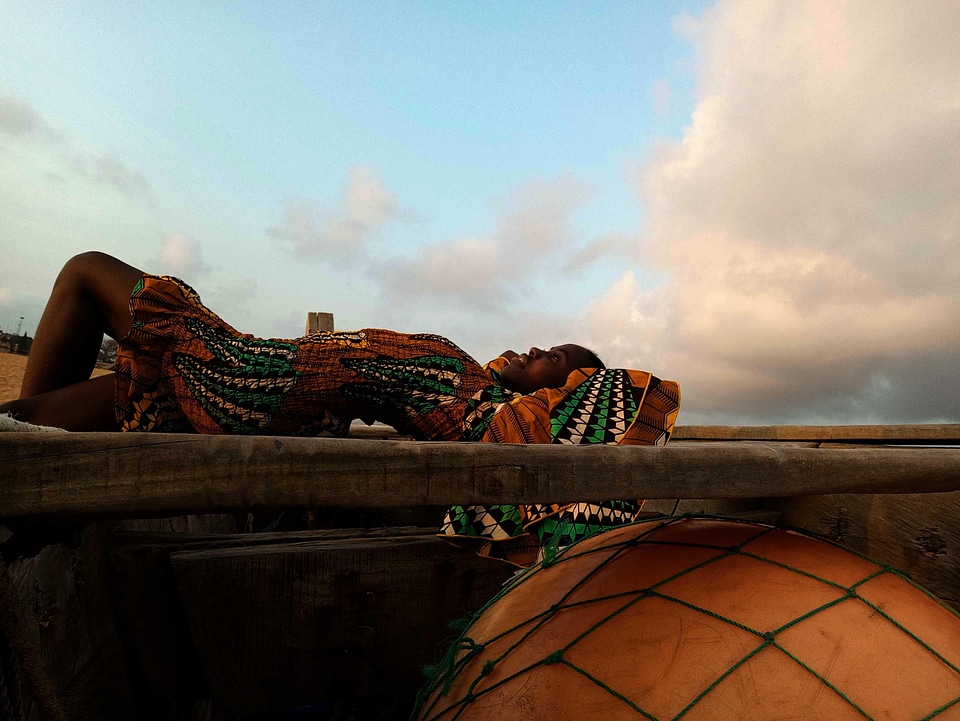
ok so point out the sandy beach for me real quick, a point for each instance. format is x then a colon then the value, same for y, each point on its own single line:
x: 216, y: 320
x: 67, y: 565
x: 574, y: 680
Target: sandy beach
x: 11, y: 373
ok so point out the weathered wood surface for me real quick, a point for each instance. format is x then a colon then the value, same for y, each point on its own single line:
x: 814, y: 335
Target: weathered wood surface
x: 162, y: 664
x: 143, y: 475
x: 65, y: 591
x: 915, y: 533
x: 290, y: 624
x: 923, y: 434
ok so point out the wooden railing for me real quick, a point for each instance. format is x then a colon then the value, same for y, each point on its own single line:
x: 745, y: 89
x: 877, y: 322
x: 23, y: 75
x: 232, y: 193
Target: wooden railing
x: 144, y: 475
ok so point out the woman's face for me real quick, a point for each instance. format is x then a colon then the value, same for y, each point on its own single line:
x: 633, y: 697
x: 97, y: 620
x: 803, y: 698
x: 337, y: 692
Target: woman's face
x: 536, y: 369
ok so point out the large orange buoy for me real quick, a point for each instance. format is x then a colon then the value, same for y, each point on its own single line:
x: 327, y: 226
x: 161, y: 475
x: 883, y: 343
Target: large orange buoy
x: 704, y: 619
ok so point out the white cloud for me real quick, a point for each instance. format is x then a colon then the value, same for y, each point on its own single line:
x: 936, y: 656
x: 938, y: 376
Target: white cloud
x: 107, y: 169
x: 615, y: 244
x: 19, y: 118
x: 234, y: 300
x: 467, y: 267
x: 808, y: 223
x: 181, y: 254
x: 23, y: 125
x: 366, y: 201
x: 340, y: 236
x: 533, y: 234
x: 535, y: 217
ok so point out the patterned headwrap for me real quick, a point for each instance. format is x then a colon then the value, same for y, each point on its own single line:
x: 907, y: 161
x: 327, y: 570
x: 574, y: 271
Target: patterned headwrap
x: 607, y: 405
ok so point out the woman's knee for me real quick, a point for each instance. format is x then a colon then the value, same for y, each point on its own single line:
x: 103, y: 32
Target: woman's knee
x: 82, y: 271
x: 78, y: 274
x: 103, y: 281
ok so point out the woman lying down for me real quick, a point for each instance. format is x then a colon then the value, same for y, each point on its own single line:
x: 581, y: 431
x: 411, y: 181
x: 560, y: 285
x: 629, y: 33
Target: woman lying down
x: 180, y: 368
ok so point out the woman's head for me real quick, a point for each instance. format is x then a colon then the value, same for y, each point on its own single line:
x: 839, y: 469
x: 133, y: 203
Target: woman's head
x: 536, y: 369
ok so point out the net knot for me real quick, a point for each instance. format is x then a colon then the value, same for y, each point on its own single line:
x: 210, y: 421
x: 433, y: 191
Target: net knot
x: 896, y: 572
x: 487, y: 668
x: 851, y: 593
x: 555, y: 657
x: 769, y: 636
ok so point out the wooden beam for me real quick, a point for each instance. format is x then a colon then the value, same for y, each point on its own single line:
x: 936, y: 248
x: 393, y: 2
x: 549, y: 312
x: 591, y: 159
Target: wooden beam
x: 924, y: 434
x: 288, y: 624
x: 142, y: 475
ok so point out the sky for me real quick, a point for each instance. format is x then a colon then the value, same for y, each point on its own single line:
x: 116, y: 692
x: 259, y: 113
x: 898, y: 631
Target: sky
x: 759, y: 200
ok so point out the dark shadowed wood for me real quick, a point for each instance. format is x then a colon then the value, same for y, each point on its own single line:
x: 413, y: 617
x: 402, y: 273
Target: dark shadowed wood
x: 747, y: 509
x: 64, y: 589
x: 917, y: 534
x: 932, y: 434
x: 162, y: 664
x: 288, y: 624
x: 140, y: 475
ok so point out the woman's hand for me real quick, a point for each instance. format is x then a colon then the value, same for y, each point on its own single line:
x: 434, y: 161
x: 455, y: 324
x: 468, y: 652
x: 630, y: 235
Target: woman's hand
x: 509, y: 354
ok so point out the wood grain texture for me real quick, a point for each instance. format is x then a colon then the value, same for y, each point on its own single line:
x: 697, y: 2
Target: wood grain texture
x: 924, y: 434
x: 65, y: 590
x: 917, y: 534
x: 289, y: 624
x: 143, y: 475
x: 162, y: 663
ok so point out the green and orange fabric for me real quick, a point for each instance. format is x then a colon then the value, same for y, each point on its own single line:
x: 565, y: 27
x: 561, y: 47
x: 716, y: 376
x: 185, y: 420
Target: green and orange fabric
x: 609, y: 405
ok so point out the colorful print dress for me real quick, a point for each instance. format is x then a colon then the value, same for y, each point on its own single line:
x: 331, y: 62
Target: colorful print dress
x: 183, y: 369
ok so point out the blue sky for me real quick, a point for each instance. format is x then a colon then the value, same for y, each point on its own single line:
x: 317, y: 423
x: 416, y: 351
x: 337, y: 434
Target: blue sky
x: 512, y: 174
x: 227, y: 111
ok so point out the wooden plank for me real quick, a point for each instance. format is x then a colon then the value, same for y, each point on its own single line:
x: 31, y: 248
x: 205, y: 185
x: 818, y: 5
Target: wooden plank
x: 136, y: 541
x: 915, y: 533
x: 142, y: 475
x: 162, y: 663
x: 914, y: 434
x: 65, y: 590
x: 731, y: 507
x: 292, y: 624
x: 925, y: 434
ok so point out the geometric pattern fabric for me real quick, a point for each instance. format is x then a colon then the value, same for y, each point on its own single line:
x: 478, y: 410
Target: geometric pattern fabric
x: 612, y: 406
x: 523, y: 534
x: 598, y: 411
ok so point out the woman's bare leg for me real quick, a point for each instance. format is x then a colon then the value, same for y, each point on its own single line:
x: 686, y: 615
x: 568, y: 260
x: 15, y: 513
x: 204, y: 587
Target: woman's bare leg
x: 90, y: 297
x: 84, y: 406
